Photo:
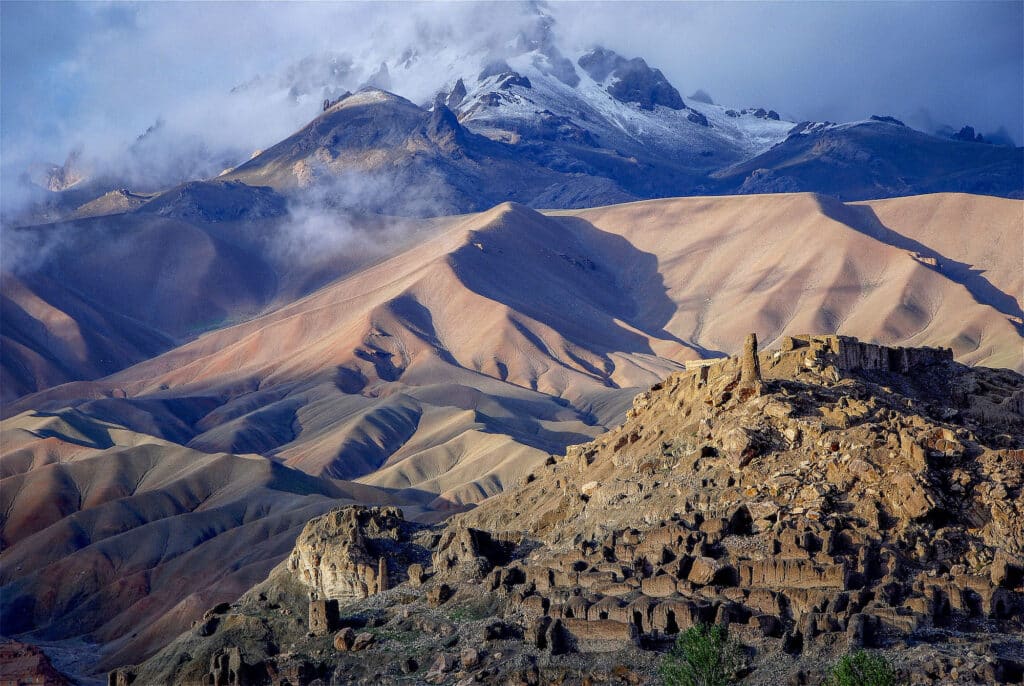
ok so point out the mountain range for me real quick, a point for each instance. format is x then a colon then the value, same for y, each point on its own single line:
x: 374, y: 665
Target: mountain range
x: 417, y: 304
x: 528, y: 124
x: 536, y: 128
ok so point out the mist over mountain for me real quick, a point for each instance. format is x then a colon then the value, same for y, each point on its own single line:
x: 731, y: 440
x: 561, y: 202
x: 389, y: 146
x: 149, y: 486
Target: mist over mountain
x: 214, y: 105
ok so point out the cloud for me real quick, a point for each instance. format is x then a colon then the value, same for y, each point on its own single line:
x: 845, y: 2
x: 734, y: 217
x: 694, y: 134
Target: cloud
x: 355, y: 213
x: 224, y: 78
x: 24, y: 250
x: 839, y: 61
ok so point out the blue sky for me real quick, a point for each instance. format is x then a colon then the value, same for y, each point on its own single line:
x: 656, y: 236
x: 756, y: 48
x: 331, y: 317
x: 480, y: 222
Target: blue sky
x: 96, y: 74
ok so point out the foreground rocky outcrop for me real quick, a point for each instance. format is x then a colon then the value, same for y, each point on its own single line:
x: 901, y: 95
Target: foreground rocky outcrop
x: 824, y: 497
x: 22, y: 664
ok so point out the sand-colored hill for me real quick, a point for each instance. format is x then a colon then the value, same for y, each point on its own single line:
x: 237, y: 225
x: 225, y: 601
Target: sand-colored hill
x: 512, y: 323
x: 449, y: 372
x: 978, y: 240
x: 122, y: 538
x: 83, y: 299
x: 918, y: 270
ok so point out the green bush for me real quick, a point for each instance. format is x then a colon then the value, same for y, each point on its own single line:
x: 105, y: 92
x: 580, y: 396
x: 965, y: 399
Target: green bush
x: 703, y: 656
x: 861, y: 669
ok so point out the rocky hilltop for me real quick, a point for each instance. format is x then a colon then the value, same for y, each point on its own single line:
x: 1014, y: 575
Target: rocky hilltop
x: 822, y: 497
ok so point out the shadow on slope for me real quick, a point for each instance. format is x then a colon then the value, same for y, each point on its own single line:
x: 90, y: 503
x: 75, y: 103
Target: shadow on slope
x: 594, y: 288
x: 150, y: 533
x: 863, y: 218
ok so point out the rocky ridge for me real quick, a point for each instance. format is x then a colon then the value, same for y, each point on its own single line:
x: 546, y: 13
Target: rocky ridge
x: 826, y: 496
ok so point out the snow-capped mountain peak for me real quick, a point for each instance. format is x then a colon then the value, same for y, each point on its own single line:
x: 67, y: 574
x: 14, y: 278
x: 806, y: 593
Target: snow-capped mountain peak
x: 610, y: 102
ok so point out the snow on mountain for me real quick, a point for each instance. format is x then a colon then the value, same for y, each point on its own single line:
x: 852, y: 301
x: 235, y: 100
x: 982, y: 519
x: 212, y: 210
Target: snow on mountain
x: 521, y: 85
x: 503, y: 106
x: 523, y: 118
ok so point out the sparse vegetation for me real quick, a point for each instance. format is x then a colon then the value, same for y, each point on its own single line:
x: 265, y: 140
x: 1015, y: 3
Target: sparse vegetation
x: 862, y: 668
x: 702, y: 656
x: 470, y: 613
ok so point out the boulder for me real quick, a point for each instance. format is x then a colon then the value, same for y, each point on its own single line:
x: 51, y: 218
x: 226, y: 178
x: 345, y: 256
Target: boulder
x: 1005, y: 572
x: 344, y: 639
x: 439, y: 669
x: 470, y: 658
x: 363, y: 641
x: 705, y: 571
x: 437, y: 595
x: 467, y: 552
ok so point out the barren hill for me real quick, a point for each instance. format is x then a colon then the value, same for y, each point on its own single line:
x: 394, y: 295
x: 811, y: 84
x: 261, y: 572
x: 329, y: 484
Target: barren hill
x: 449, y: 372
x: 151, y: 532
x: 516, y: 324
x: 86, y: 298
x: 899, y: 270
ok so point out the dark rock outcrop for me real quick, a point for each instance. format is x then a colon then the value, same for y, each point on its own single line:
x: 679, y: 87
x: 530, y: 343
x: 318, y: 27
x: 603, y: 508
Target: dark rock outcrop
x: 968, y: 135
x: 631, y: 80
x: 887, y: 119
x: 456, y: 96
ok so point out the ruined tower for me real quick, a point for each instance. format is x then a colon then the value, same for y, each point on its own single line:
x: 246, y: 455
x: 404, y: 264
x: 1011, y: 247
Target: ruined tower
x: 750, y: 371
x: 323, y: 616
x: 382, y: 575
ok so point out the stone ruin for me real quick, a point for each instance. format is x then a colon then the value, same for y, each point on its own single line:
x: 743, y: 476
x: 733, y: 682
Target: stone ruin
x: 806, y: 507
x: 822, y: 350
x: 750, y: 369
x: 848, y: 353
x: 644, y: 587
x: 323, y: 616
x: 226, y: 668
x: 823, y: 497
x: 334, y: 557
x: 464, y: 551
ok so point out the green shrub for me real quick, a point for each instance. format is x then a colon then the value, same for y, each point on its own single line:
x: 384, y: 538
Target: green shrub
x: 861, y: 669
x: 703, y: 656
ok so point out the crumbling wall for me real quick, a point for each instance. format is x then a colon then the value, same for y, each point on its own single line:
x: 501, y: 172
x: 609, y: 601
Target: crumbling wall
x: 849, y: 353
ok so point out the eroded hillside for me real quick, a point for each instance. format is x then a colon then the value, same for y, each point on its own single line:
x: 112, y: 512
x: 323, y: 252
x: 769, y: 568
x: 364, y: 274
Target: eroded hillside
x: 825, y: 496
x: 446, y: 374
